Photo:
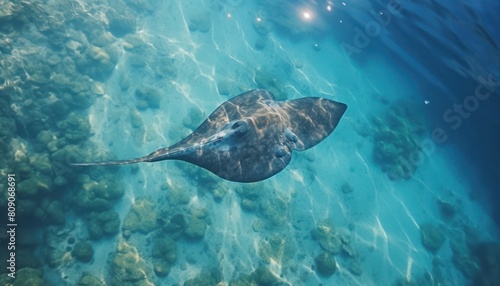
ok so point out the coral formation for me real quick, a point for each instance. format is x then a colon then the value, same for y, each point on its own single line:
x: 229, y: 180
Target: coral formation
x: 397, y: 136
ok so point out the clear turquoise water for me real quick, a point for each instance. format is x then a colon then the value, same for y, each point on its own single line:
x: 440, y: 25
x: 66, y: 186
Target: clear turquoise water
x: 402, y: 193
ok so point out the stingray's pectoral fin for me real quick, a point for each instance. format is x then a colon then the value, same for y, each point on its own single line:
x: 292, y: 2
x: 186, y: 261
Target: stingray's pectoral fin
x: 110, y: 163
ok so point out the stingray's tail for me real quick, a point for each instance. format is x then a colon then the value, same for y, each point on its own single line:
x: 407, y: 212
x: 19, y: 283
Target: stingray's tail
x: 109, y: 163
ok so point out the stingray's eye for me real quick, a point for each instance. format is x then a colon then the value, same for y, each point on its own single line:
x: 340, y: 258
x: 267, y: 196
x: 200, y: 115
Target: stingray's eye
x: 240, y: 127
x: 237, y: 124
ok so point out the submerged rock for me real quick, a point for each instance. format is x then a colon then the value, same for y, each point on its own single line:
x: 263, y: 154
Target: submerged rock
x: 447, y: 209
x: 161, y: 268
x: 260, y: 43
x: 54, y: 257
x: 128, y: 267
x: 103, y: 223
x: 135, y: 118
x: 28, y: 277
x: 177, y: 195
x: 83, y: 251
x: 134, y: 43
x: 432, y: 237
x: 175, y: 226
x: 275, y: 210
x: 31, y: 187
x: 90, y: 280
x: 55, y: 212
x: 325, y: 264
x: 141, y: 217
x: 44, y: 137
x: 165, y: 249
x: 75, y: 128
x: 202, y: 279
x: 276, y: 249
x: 195, y: 229
x: 354, y: 266
x: 41, y: 163
x: 223, y: 87
x: 200, y: 22
x: 86, y: 201
x: 243, y: 280
x: 329, y: 239
x: 8, y: 127
x: 25, y: 257
x: 347, y: 188
x: 121, y: 22
x: 147, y: 97
x: 263, y: 276
x: 98, y: 62
x: 108, y: 189
x: 488, y: 254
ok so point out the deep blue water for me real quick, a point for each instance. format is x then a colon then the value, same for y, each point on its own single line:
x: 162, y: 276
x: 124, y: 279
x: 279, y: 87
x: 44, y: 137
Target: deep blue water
x: 451, y: 50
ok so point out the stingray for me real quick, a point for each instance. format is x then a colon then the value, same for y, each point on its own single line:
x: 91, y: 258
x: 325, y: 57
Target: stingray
x: 251, y: 137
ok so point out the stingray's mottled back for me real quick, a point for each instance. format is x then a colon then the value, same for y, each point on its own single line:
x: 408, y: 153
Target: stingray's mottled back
x: 238, y: 107
x: 312, y: 119
x: 251, y: 137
